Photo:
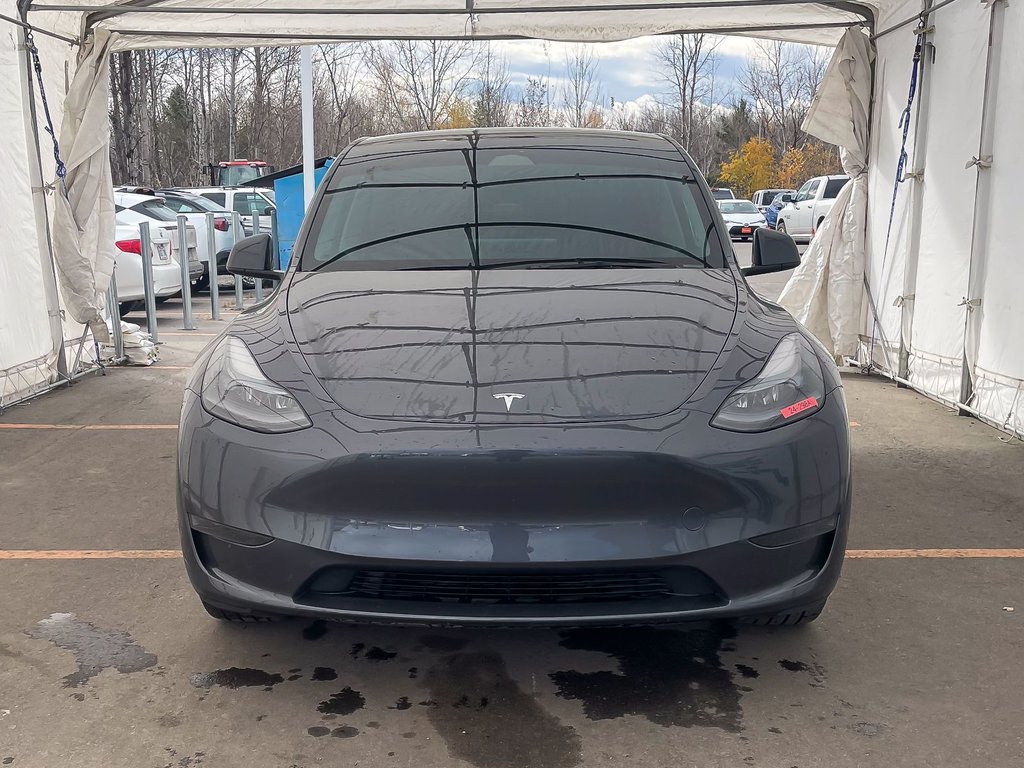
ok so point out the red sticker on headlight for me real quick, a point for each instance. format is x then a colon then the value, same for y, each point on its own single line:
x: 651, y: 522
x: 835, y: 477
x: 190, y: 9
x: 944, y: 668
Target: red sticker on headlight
x: 792, y: 410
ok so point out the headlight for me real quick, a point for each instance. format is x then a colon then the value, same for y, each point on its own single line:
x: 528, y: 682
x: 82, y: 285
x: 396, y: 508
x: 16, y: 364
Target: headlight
x: 789, y: 387
x: 235, y: 389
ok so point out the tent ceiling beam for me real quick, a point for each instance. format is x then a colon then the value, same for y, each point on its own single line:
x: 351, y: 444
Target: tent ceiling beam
x: 321, y: 38
x: 154, y: 6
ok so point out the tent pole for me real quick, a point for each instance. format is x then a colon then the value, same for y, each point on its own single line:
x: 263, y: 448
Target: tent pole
x: 974, y: 313
x: 916, y: 204
x: 308, y: 183
x: 42, y: 216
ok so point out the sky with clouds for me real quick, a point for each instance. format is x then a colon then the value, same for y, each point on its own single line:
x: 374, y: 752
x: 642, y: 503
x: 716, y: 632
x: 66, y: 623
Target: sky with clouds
x: 627, y: 70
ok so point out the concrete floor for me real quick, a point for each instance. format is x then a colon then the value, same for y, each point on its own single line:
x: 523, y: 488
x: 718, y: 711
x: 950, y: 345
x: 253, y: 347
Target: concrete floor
x: 112, y: 662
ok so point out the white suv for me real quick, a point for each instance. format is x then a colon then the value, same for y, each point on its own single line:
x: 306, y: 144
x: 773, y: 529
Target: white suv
x: 246, y: 201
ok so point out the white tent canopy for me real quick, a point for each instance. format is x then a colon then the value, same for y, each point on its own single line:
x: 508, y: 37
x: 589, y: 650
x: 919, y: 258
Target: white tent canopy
x: 927, y: 299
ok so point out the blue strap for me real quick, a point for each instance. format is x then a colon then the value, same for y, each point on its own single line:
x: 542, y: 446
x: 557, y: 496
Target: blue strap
x: 901, y: 166
x: 62, y: 171
x: 904, y: 123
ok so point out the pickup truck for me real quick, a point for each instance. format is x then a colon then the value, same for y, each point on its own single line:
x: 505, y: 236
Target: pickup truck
x: 802, y: 217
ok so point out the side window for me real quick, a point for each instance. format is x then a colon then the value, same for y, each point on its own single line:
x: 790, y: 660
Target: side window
x: 812, y: 190
x: 215, y: 197
x: 802, y: 194
x: 248, y: 203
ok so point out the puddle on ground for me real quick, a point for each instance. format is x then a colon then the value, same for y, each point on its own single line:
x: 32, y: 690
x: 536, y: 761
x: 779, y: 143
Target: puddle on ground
x: 95, y: 649
x: 668, y: 676
x: 375, y: 653
x: 324, y: 673
x: 488, y: 721
x: 816, y: 671
x: 236, y: 677
x: 344, y: 702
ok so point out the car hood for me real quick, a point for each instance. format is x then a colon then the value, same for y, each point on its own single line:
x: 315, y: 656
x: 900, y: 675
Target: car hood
x: 512, y: 345
x: 743, y: 218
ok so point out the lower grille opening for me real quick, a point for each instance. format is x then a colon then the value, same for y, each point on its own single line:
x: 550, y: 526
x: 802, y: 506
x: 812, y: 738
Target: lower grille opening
x: 474, y: 587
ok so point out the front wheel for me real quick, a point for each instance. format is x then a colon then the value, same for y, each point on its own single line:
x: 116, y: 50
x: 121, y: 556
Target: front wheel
x: 780, y: 226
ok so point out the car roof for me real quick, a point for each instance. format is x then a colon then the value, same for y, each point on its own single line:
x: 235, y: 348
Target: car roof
x: 496, y: 138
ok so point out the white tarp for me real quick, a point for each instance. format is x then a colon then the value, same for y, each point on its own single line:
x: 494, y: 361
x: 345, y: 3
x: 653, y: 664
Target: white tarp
x: 27, y: 352
x: 999, y: 371
x: 826, y: 289
x: 83, y: 228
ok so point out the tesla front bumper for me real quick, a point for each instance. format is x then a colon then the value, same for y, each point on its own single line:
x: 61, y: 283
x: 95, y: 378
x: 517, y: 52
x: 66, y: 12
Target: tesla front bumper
x: 503, y: 535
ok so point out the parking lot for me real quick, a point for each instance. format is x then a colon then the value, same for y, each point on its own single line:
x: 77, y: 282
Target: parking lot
x: 108, y: 659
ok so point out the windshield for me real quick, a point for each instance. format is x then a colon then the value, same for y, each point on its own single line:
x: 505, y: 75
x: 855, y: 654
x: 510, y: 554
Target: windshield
x: 739, y: 206
x: 195, y: 204
x: 155, y: 209
x: 722, y: 194
x: 235, y: 175
x: 458, y: 205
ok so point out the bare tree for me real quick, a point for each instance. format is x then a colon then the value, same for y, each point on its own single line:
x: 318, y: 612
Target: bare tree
x: 780, y: 79
x: 420, y: 81
x: 581, y: 94
x: 492, y: 107
x: 688, y: 65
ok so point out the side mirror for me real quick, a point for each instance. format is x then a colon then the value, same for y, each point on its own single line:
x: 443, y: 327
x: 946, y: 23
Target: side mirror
x: 772, y: 252
x: 788, y: 198
x: 254, y: 257
x: 268, y: 211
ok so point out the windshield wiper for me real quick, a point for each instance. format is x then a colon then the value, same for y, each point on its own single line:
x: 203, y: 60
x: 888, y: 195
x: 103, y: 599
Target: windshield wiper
x: 586, y: 262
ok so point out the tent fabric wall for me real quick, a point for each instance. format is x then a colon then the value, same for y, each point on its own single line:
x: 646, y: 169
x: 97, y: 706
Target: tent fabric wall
x: 999, y: 371
x: 948, y: 189
x: 885, y: 270
x: 27, y: 355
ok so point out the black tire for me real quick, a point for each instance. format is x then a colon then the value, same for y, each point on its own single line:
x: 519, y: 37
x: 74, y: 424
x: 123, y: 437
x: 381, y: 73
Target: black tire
x: 793, y: 617
x: 201, y: 284
x: 164, y: 299
x: 780, y: 226
x: 239, y: 618
x: 127, y: 307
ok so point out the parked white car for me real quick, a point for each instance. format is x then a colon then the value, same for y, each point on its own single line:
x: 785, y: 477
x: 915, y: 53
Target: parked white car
x: 132, y: 208
x: 195, y: 207
x: 741, y: 218
x: 131, y: 292
x: 157, y: 207
x: 802, y: 217
x: 246, y: 201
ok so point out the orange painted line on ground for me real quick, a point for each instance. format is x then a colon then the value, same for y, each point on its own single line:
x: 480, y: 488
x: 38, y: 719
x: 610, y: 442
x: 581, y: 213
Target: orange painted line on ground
x: 91, y: 427
x: 854, y: 423
x: 166, y: 554
x: 948, y: 554
x: 89, y: 554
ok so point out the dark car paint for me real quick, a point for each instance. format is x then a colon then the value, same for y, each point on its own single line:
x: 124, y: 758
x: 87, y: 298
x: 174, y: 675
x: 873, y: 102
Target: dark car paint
x: 581, y: 345
x: 583, y: 479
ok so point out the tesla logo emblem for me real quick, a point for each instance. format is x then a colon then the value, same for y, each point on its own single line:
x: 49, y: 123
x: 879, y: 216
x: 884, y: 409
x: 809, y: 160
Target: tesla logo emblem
x: 508, y: 397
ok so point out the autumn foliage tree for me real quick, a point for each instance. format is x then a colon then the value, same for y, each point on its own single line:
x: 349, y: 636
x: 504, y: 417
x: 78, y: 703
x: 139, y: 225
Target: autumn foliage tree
x: 751, y: 168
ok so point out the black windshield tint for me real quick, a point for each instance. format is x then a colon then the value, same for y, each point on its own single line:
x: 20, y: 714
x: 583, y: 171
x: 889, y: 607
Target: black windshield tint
x: 460, y: 203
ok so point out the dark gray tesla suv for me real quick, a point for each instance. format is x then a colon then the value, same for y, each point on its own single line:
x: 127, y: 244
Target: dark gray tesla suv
x: 514, y: 377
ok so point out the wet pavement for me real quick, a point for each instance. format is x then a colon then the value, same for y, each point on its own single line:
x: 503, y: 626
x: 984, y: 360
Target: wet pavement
x: 113, y: 662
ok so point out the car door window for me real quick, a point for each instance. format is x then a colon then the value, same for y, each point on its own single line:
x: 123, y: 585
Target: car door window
x: 812, y: 189
x: 249, y: 203
x: 802, y: 194
x: 216, y: 197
